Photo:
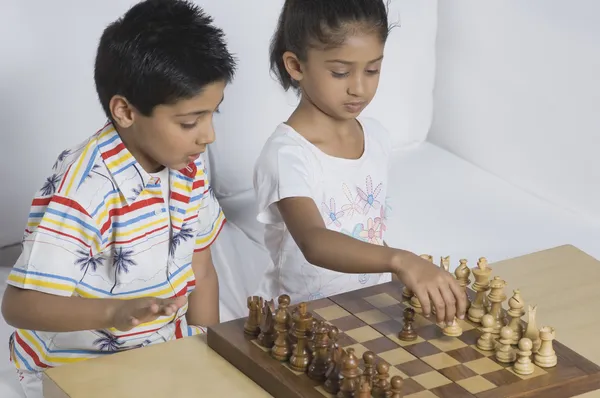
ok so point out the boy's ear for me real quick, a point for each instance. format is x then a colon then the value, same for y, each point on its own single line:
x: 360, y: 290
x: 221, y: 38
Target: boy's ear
x: 292, y: 65
x: 122, y: 111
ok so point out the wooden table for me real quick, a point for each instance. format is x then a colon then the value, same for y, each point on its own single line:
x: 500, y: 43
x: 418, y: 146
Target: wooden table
x: 562, y: 281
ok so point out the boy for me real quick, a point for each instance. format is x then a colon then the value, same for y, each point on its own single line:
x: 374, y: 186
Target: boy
x: 116, y: 253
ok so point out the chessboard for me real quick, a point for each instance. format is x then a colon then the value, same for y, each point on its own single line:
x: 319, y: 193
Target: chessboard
x: 375, y: 342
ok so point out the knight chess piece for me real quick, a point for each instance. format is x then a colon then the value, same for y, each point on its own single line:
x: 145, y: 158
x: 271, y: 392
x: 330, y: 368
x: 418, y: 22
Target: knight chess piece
x: 408, y: 333
x: 266, y: 337
x: 545, y: 357
x: 532, y: 332
x: 524, y: 365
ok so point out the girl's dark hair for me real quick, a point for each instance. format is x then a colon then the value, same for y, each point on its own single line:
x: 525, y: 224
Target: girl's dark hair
x: 321, y: 23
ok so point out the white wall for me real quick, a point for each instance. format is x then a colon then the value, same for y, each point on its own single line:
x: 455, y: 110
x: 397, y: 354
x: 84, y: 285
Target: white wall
x: 48, y: 101
x: 521, y: 77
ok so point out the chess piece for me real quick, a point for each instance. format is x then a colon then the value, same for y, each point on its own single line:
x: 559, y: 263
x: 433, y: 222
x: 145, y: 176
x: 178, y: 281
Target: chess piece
x: 310, y: 337
x: 266, y: 337
x: 462, y: 274
x: 300, y: 357
x: 545, y: 357
x: 350, y: 375
x: 515, y: 312
x: 365, y: 390
x: 524, y: 366
x: 504, y: 350
x: 369, y: 372
x: 445, y: 263
x: 482, y: 274
x: 320, y: 359
x: 486, y: 341
x: 252, y: 324
x: 406, y: 293
x: 333, y: 375
x: 397, y: 385
x: 281, y: 349
x: 382, y: 386
x: 496, y: 297
x: 408, y: 333
x: 453, y: 330
x: 532, y: 332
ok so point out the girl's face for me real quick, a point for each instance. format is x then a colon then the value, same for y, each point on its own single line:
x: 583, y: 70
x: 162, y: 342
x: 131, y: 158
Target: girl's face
x: 341, y: 81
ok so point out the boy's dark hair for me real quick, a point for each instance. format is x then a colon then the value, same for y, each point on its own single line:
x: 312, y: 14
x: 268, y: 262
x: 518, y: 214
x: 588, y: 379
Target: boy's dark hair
x: 159, y: 52
x: 322, y: 24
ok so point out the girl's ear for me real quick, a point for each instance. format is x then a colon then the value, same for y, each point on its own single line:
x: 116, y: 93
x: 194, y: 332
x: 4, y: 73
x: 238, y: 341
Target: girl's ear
x: 292, y: 65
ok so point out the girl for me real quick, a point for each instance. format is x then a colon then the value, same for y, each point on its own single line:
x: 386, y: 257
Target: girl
x: 321, y: 179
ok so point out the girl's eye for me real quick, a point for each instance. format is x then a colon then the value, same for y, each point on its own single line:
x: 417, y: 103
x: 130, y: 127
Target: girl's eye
x: 339, y: 75
x: 188, y: 126
x: 373, y: 72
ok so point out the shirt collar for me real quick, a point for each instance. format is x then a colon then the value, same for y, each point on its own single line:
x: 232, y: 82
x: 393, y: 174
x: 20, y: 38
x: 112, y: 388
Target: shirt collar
x: 130, y: 177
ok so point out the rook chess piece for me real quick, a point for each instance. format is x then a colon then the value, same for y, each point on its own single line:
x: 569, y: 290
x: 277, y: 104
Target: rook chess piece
x: 252, y: 324
x: 478, y: 307
x: 397, y: 385
x: 281, y: 350
x: 504, y: 350
x: 515, y: 312
x: 408, y: 333
x: 524, y: 366
x: 486, y: 341
x: 545, y: 357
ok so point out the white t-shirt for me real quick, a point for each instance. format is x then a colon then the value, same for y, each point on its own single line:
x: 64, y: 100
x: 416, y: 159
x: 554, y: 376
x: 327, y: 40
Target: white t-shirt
x: 350, y: 193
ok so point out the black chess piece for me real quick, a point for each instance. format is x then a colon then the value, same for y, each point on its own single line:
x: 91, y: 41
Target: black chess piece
x: 408, y: 333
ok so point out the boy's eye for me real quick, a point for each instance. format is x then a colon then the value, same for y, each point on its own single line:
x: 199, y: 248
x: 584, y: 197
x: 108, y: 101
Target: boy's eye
x: 339, y: 75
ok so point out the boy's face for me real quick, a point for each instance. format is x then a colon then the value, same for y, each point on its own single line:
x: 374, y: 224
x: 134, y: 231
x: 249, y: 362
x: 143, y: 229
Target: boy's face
x: 342, y: 81
x: 174, y: 135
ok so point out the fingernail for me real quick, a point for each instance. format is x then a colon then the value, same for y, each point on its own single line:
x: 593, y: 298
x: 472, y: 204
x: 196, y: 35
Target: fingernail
x: 461, y: 317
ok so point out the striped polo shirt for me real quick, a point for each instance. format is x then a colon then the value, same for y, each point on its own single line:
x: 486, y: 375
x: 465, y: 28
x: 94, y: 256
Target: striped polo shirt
x: 100, y: 228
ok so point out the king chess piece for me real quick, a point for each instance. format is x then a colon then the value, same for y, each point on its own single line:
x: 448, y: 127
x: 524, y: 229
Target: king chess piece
x: 478, y: 307
x: 408, y: 333
x: 300, y: 357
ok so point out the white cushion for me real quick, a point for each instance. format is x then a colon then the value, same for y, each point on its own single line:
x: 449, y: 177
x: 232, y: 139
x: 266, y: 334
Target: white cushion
x: 255, y: 103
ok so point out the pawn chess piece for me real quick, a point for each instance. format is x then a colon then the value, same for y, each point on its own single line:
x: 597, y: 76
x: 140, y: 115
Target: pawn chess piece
x: 524, y: 366
x: 365, y: 390
x: 382, y: 386
x: 350, y: 375
x: 252, y: 324
x: 478, y: 307
x: 515, y: 312
x: 300, y: 357
x: 504, y: 350
x: 397, y: 385
x: 545, y: 357
x: 281, y: 349
x: 408, y: 333
x: 453, y: 330
x: 369, y: 372
x: 486, y: 342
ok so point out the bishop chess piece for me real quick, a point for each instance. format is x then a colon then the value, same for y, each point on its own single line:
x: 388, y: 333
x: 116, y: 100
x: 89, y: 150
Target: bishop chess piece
x: 320, y: 359
x: 515, y: 312
x: 252, y: 324
x: 462, y: 274
x: 545, y: 357
x: 397, y: 386
x: 482, y: 284
x: 486, y: 341
x: 532, y: 332
x: 300, y: 357
x: 350, y: 375
x: 266, y: 337
x: 408, y: 333
x: 281, y: 349
x: 504, y: 350
x: 497, y: 297
x: 524, y: 366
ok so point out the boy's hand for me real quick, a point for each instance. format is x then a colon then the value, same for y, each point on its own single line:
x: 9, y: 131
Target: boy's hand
x: 128, y: 314
x: 433, y: 286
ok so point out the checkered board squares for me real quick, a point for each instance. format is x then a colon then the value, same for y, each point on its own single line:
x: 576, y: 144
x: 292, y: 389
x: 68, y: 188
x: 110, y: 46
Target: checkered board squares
x: 433, y: 365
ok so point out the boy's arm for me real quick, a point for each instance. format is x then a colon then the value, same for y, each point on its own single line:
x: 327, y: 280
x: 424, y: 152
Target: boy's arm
x: 203, y: 303
x: 338, y: 252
